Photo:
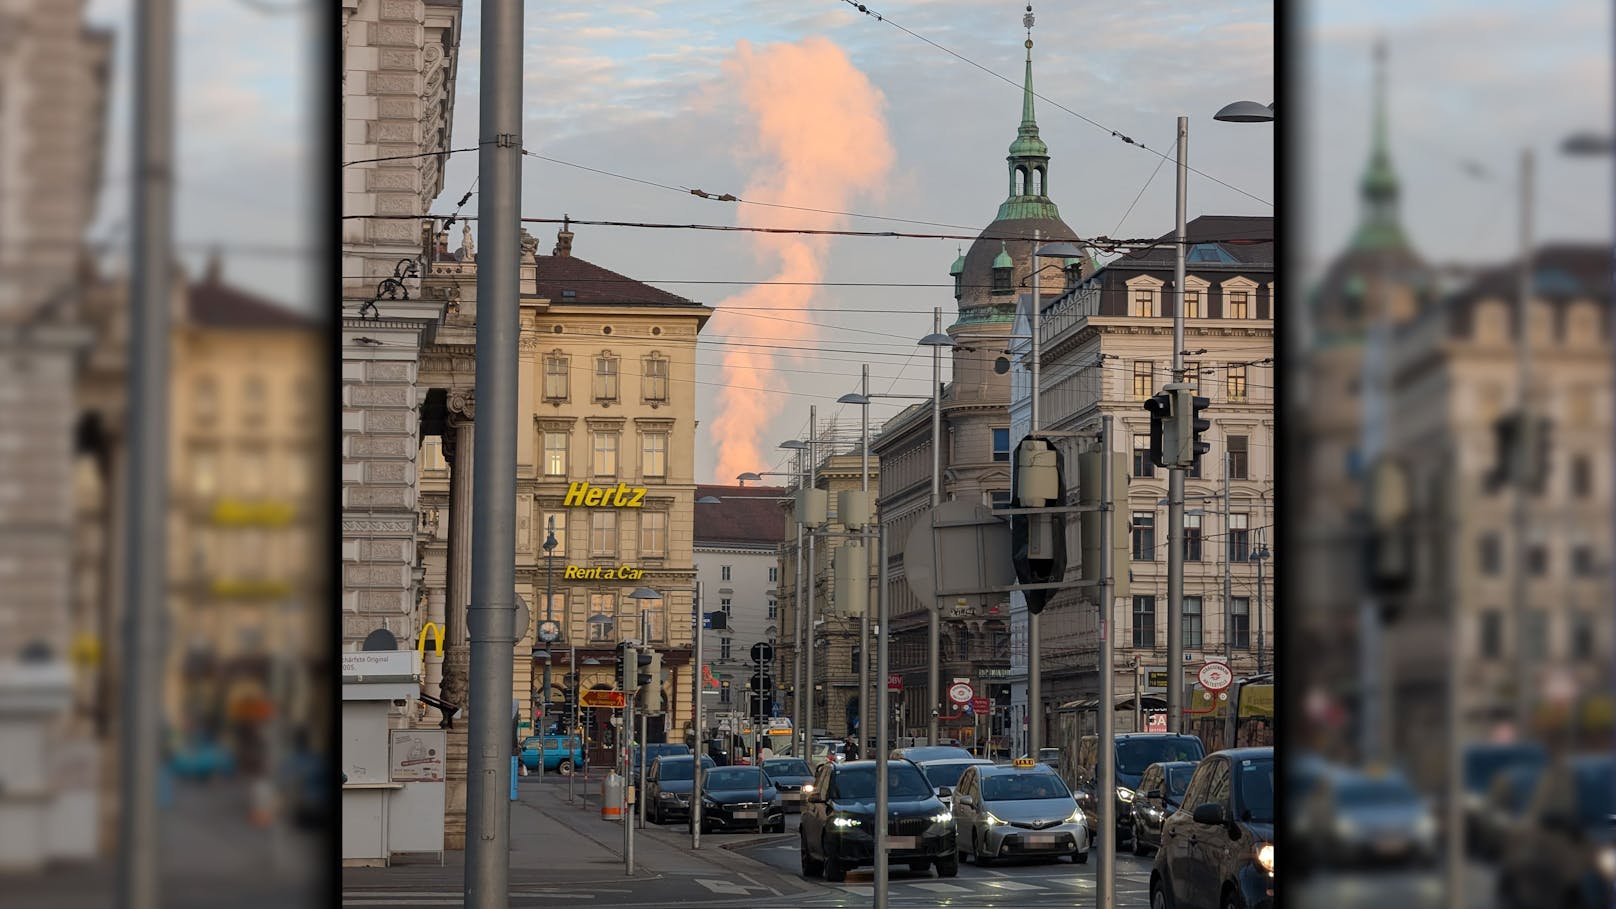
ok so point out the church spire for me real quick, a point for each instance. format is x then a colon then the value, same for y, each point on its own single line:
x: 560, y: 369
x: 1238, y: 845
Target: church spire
x: 1379, y: 189
x: 1029, y: 156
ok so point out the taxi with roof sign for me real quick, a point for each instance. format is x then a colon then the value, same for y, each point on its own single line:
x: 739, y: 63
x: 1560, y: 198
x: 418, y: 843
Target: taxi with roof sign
x: 1020, y: 811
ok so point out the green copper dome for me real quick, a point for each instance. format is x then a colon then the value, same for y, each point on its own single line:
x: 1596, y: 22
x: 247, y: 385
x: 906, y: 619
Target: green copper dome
x: 1003, y: 260
x: 958, y: 266
x: 1379, y: 190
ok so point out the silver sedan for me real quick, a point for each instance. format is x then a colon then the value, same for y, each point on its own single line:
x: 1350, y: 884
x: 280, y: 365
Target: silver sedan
x: 1022, y: 811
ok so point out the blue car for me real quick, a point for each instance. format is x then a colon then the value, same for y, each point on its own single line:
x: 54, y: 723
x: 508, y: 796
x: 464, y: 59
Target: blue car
x: 201, y: 759
x: 560, y: 753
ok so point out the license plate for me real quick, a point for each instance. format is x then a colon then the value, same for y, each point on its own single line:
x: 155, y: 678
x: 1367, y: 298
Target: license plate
x: 1040, y: 839
x: 901, y: 842
x: 746, y: 815
x: 790, y: 796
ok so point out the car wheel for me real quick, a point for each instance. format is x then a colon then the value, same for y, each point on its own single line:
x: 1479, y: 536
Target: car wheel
x: 835, y: 873
x: 920, y: 866
x: 811, y: 867
x: 1159, y: 896
x: 1080, y: 858
x: 1232, y: 900
x: 565, y: 768
x: 656, y: 813
x: 948, y: 866
x: 981, y: 859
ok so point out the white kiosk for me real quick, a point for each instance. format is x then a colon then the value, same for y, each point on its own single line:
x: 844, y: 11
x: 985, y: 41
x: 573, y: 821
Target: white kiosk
x: 393, y: 779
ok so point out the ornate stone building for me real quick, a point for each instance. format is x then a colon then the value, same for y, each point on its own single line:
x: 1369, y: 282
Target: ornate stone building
x: 737, y: 560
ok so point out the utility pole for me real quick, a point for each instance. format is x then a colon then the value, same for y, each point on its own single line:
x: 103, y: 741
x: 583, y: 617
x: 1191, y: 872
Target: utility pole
x: 813, y: 572
x: 492, y: 612
x: 882, y: 705
x: 801, y: 732
x: 1175, y: 475
x: 697, y: 685
x: 1105, y: 890
x: 1231, y: 728
x: 933, y: 616
x: 1035, y: 678
x: 1261, y: 555
x: 1525, y: 436
x: 864, y: 537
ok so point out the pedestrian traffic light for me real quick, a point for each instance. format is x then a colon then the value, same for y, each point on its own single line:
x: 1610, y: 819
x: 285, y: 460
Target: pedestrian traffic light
x: 1187, y: 413
x: 650, y: 692
x: 1038, y: 541
x: 1160, y: 408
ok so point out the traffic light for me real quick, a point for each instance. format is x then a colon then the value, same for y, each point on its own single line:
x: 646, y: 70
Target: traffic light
x: 1187, y: 412
x: 650, y: 693
x: 625, y: 675
x: 639, y: 675
x: 1162, y: 425
x: 1038, y: 541
x: 1389, y: 544
x: 1089, y: 522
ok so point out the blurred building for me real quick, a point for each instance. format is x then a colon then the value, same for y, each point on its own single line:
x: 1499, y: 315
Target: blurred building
x: 1107, y: 348
x: 737, y: 546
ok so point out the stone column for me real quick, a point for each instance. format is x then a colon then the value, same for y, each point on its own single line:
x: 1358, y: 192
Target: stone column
x: 457, y: 450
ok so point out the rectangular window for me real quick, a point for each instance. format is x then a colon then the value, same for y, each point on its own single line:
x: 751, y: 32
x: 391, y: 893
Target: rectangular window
x: 1582, y: 561
x: 1144, y: 536
x: 1239, y: 538
x: 1192, y: 375
x: 723, y: 694
x: 204, y: 474
x: 723, y: 573
x: 1537, y: 560
x: 1143, y: 466
x: 1582, y: 636
x: 1144, y: 304
x: 555, y: 378
x: 1582, y: 476
x: 1144, y: 623
x: 1143, y: 378
x: 604, y: 605
x: 605, y: 454
x: 654, y: 534
x: 1234, y: 387
x: 724, y: 651
x: 1192, y: 622
x: 555, y: 454
x: 1001, y: 444
x: 774, y: 574
x: 605, y: 378
x: 560, y: 519
x: 774, y: 609
x: 1238, y: 460
x: 1238, y: 305
x: 1241, y: 620
x: 655, y: 383
x: 1490, y: 553
x: 1192, y: 538
x: 651, y: 620
x: 1492, y: 634
x: 1192, y: 304
x: 603, y: 533
x: 654, y: 454
x: 1537, y: 634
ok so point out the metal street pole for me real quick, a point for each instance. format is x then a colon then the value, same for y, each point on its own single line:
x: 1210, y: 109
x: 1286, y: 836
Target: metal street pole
x: 933, y: 619
x: 627, y: 745
x: 492, y: 611
x: 1035, y: 678
x: 813, y: 577
x: 1175, y: 476
x: 1105, y: 891
x: 543, y: 715
x: 572, y: 712
x: 146, y: 481
x: 864, y: 616
x: 882, y: 703
x: 1231, y: 728
x: 645, y: 738
x: 1523, y: 437
x: 801, y: 732
x: 1262, y: 556
x: 696, y: 687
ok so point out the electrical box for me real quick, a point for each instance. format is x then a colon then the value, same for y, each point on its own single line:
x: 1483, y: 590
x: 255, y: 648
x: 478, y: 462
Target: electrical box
x: 813, y: 505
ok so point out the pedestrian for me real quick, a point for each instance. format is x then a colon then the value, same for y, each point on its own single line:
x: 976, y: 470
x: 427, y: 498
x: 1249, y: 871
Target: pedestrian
x: 852, y: 748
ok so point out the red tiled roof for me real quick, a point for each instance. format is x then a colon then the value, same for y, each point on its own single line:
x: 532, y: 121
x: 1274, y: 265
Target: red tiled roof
x: 215, y: 304
x: 752, y: 515
x: 569, y: 279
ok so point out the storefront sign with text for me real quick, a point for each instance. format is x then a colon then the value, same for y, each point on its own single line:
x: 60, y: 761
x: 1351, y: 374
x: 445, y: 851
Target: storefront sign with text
x: 620, y: 573
x: 622, y: 496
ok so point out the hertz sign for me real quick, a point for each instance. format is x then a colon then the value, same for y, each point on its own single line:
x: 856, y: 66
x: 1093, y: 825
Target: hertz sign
x: 621, y: 496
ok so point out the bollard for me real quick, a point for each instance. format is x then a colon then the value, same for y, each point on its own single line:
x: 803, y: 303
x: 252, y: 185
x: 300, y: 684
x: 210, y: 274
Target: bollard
x: 611, y: 797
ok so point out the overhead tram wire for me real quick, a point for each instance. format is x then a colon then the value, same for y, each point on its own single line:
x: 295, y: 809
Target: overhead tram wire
x: 1019, y: 87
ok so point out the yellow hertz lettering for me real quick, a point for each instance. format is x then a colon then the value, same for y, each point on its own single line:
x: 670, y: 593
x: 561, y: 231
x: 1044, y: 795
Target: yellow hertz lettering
x: 621, y: 496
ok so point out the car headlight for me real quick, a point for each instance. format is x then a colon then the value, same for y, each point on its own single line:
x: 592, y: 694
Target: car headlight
x: 1124, y: 793
x: 1265, y: 857
x: 1607, y: 862
x: 666, y: 796
x: 1345, y: 828
x: 1425, y: 826
x: 990, y: 820
x: 1077, y: 817
x: 942, y: 817
x: 807, y: 788
x: 845, y: 823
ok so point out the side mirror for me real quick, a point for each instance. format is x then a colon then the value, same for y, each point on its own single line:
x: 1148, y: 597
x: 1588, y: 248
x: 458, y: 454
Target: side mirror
x: 1210, y: 814
x: 945, y: 792
x: 1154, y: 794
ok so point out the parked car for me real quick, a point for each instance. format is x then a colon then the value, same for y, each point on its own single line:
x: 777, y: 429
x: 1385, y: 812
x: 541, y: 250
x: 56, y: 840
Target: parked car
x: 1508, y: 805
x: 1135, y: 751
x: 1483, y: 762
x: 202, y: 759
x: 837, y: 830
x: 1565, y: 854
x: 668, y: 782
x: 1024, y: 810
x: 1049, y: 757
x: 652, y: 752
x: 1160, y: 793
x: 1223, y: 843
x: 789, y: 775
x: 827, y: 750
x: 740, y: 798
x: 1361, y: 817
x: 923, y: 753
x: 560, y: 753
x: 944, y: 775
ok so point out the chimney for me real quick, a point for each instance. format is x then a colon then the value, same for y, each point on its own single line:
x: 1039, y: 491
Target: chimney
x: 563, y: 245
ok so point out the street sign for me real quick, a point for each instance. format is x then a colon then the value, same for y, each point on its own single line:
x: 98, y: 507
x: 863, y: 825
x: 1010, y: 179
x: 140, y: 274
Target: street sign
x: 549, y: 632
x: 1215, y: 676
x: 960, y: 693
x: 1156, y: 679
x: 595, y: 698
x: 955, y: 553
x: 981, y: 705
x: 894, y: 682
x: 762, y: 652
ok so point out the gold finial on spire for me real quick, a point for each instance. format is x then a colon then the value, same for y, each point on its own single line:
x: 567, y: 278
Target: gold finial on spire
x: 1027, y: 21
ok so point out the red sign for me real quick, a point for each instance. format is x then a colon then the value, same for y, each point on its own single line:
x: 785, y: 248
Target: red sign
x: 981, y: 705
x: 1156, y: 722
x: 608, y: 699
x: 894, y: 682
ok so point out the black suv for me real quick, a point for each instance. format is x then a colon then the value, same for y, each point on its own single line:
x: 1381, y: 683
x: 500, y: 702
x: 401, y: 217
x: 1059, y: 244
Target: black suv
x: 1218, y: 851
x: 1564, y: 854
x: 838, y: 821
x: 1135, y: 751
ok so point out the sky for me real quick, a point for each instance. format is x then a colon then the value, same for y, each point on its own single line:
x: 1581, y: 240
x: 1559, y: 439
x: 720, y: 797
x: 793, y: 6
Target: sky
x: 669, y: 92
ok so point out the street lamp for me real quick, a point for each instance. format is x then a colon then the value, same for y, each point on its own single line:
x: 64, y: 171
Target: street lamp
x: 862, y: 399
x: 1245, y: 112
x: 937, y: 340
x: 805, y: 593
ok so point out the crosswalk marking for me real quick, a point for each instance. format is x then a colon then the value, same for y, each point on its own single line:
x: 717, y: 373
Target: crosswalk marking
x: 1011, y: 885
x: 941, y: 888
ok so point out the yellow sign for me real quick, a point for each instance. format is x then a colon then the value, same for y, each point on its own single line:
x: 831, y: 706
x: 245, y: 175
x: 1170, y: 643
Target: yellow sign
x: 246, y: 514
x: 436, y: 631
x: 621, y: 573
x: 1024, y: 762
x: 247, y: 589
x: 597, y: 698
x: 623, y: 496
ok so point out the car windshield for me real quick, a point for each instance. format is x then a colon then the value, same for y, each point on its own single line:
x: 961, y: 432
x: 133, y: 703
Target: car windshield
x: 680, y: 770
x: 1596, y: 797
x: 1048, y: 754
x: 1255, y: 784
x: 1483, y: 765
x: 1134, y: 755
x: 903, y: 781
x: 1375, y: 793
x: 1016, y: 787
x: 946, y: 774
x: 792, y: 767
x: 734, y: 778
x: 1178, y: 780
